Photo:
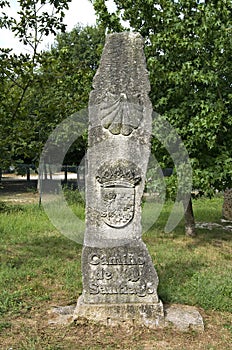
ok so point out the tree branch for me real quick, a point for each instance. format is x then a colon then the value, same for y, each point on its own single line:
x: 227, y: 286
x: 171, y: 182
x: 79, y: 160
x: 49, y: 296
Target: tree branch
x: 13, y: 80
x: 21, y: 99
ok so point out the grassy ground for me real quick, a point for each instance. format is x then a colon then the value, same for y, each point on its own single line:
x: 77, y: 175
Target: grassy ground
x: 41, y: 268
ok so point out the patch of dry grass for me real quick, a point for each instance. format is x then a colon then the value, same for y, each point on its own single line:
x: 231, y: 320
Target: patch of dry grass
x: 32, y: 331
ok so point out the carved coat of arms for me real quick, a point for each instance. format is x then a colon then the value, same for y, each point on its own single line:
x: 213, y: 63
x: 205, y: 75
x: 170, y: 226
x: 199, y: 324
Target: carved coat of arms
x: 118, y: 182
x: 117, y: 207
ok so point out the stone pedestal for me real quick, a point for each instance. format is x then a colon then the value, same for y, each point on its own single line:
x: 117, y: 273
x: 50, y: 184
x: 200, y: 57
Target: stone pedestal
x: 119, y: 278
x: 147, y: 314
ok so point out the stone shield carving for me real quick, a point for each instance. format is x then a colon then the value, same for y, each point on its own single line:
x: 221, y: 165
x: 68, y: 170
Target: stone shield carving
x: 117, y: 207
x: 118, y: 181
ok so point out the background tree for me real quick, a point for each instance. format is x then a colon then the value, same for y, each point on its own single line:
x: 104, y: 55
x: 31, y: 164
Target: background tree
x: 34, y: 20
x: 188, y: 49
x: 64, y: 82
x: 41, y: 88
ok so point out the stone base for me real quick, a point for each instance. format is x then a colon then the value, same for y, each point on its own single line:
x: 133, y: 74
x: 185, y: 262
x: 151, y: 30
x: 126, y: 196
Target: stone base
x: 147, y: 314
x: 180, y: 317
x: 183, y: 317
x: 61, y: 315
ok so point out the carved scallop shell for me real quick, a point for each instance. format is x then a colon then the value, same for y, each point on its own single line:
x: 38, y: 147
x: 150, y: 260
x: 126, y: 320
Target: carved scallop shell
x: 119, y: 115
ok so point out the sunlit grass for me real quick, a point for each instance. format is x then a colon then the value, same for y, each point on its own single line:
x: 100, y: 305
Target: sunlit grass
x: 39, y: 264
x: 36, y: 260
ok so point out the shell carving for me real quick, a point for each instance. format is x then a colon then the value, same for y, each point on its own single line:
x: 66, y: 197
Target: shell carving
x: 119, y: 115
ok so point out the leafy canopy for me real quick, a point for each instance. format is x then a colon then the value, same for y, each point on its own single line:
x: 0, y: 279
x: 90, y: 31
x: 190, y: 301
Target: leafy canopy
x: 188, y: 49
x: 59, y: 85
x: 34, y: 20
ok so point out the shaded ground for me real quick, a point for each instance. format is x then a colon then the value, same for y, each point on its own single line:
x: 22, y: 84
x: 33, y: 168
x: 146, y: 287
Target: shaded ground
x: 18, y: 190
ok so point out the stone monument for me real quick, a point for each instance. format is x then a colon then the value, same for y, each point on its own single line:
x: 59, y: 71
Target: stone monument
x: 119, y: 278
x: 227, y: 204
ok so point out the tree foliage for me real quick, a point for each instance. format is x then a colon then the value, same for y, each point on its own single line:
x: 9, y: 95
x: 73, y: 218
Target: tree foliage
x: 41, y: 88
x: 34, y: 20
x: 64, y: 82
x: 188, y: 49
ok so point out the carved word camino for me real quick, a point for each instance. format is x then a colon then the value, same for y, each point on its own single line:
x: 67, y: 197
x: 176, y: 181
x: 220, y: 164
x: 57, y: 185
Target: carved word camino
x: 118, y: 182
x: 125, y: 259
x: 118, y: 274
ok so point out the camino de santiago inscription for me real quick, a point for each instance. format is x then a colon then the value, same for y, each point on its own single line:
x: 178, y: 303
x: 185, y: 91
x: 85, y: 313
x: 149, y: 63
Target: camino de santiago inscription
x: 119, y: 275
x: 119, y: 278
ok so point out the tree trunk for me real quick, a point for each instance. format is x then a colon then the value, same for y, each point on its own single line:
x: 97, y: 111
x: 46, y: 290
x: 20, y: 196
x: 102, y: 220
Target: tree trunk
x: 45, y: 173
x: 28, y: 174
x: 189, y: 219
x: 50, y: 171
x: 65, y: 174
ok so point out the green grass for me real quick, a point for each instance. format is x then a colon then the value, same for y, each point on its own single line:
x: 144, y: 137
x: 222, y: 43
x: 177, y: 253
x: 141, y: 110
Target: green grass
x: 193, y: 271
x: 37, y: 262
x: 40, y: 268
x: 209, y: 210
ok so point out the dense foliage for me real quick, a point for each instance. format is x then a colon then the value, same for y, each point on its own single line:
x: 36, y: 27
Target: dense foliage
x: 39, y: 89
x: 188, y: 48
x: 187, y: 45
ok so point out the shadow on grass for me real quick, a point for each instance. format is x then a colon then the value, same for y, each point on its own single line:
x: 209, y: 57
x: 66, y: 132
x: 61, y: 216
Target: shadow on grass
x: 53, y: 246
x: 40, y: 251
x: 203, y: 236
x: 196, y: 282
x: 215, y: 237
x: 173, y: 277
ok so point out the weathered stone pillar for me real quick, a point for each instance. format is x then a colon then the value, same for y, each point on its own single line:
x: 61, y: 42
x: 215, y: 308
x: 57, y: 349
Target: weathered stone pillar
x: 227, y: 204
x: 119, y: 278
